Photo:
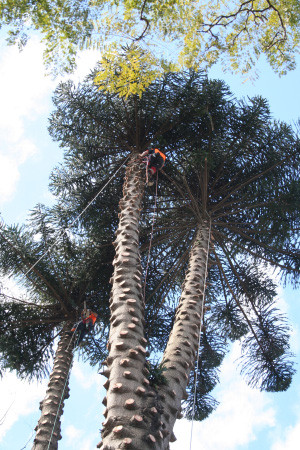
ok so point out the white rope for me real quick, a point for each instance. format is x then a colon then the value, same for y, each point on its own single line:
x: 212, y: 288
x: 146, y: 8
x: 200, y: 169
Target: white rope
x: 77, y: 218
x: 63, y: 391
x: 201, y: 318
x: 151, y: 236
x: 73, y: 335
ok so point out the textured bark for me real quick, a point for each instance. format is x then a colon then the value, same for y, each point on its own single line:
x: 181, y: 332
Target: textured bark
x: 48, y: 427
x: 182, y: 349
x: 131, y: 404
x: 138, y: 416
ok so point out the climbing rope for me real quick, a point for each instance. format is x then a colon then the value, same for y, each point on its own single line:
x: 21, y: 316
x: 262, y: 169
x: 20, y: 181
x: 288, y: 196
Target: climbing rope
x: 74, y: 334
x: 151, y: 236
x: 63, y: 391
x: 24, y: 447
x: 64, y: 388
x: 147, y: 167
x: 201, y: 318
x: 78, y: 217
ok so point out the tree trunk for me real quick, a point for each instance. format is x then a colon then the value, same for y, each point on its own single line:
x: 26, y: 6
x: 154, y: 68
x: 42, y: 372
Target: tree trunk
x: 129, y: 404
x: 48, y: 427
x: 182, y: 348
x: 137, y: 415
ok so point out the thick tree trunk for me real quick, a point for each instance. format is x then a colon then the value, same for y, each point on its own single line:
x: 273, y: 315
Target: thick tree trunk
x: 138, y: 416
x: 182, y: 348
x: 130, y: 404
x: 48, y: 427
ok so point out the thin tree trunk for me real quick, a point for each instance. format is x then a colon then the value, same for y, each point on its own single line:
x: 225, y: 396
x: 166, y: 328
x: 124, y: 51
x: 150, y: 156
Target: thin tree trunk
x: 48, y: 427
x: 182, y: 348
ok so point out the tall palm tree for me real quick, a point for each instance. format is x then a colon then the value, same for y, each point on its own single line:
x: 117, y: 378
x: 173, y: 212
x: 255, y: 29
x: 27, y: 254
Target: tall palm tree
x: 237, y: 174
x: 60, y: 272
x: 221, y: 152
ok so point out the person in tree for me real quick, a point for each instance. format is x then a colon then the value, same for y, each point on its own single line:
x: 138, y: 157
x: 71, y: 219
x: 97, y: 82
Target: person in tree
x: 86, y: 325
x: 155, y: 161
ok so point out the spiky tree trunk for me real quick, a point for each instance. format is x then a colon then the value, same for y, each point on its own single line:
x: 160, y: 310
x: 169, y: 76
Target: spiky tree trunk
x: 139, y: 416
x: 48, y: 427
x: 126, y: 383
x: 182, y: 348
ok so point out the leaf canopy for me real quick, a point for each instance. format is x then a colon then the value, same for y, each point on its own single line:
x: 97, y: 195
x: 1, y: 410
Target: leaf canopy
x: 59, y: 269
x: 171, y: 35
x: 225, y: 158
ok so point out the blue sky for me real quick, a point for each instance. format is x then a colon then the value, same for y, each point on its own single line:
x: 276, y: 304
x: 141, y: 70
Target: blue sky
x: 246, y: 419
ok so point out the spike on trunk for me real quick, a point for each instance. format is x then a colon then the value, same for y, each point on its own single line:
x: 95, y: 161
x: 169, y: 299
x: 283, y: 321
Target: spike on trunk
x: 48, y: 428
x: 129, y: 387
x: 179, y: 355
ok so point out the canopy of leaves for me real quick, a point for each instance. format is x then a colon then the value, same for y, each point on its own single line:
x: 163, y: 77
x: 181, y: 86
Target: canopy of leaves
x: 227, y: 159
x: 175, y: 34
x: 238, y: 167
x: 59, y: 271
x: 26, y: 342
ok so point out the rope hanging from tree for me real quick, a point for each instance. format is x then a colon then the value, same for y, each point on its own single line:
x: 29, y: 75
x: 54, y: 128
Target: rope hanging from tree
x: 151, y: 235
x: 199, y: 342
x: 78, y: 217
x: 64, y: 388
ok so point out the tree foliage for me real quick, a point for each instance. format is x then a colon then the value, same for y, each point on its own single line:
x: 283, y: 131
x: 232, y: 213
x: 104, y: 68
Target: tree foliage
x: 240, y: 168
x: 225, y: 158
x: 63, y: 25
x: 172, y: 34
x: 59, y: 271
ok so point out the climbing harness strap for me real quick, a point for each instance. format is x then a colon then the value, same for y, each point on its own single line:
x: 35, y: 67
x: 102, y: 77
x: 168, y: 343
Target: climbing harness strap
x: 199, y: 342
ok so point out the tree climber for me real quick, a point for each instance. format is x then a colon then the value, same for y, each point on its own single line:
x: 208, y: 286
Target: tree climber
x: 155, y: 161
x: 86, y: 325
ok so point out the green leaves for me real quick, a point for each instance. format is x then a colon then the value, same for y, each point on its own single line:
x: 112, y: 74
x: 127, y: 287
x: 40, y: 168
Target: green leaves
x: 128, y: 72
x: 59, y: 279
x: 26, y: 341
x: 225, y: 158
x: 156, y: 374
x: 63, y: 26
x: 170, y: 35
x: 266, y: 360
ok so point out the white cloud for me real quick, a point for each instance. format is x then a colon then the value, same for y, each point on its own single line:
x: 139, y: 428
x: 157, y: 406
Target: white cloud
x: 25, y: 93
x: 87, y: 442
x: 11, y: 158
x: 86, y: 376
x: 242, y: 413
x: 72, y: 435
x: 86, y: 61
x: 9, y: 287
x: 291, y: 439
x: 18, y: 398
x: 23, y: 84
x: 9, y: 176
